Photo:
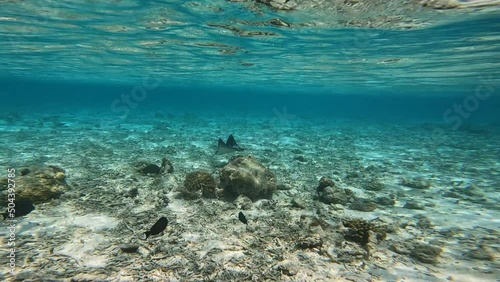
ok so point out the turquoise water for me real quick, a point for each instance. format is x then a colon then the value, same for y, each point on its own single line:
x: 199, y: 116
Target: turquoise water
x: 196, y: 43
x: 400, y: 112
x: 159, y: 52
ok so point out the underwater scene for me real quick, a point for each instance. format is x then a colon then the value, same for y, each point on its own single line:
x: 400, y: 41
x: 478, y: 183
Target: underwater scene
x: 250, y: 140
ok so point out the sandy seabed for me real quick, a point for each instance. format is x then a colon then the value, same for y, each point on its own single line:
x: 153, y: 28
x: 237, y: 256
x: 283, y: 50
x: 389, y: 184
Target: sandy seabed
x: 293, y: 236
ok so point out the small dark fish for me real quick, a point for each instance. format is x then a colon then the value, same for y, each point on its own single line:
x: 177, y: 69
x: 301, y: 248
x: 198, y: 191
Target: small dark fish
x: 150, y: 169
x: 242, y: 218
x: 22, y: 208
x: 158, y: 227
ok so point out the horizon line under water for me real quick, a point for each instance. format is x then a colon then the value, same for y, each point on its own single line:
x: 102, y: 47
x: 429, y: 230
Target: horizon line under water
x: 149, y: 98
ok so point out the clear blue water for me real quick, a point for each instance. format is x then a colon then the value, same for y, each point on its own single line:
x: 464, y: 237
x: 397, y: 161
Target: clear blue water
x: 85, y: 52
x: 51, y: 97
x: 193, y: 43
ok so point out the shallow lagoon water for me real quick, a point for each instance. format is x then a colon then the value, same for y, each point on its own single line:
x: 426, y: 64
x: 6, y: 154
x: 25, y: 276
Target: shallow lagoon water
x: 400, y: 120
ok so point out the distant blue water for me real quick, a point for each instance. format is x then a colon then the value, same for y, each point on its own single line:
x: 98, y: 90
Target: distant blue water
x: 25, y: 96
x: 71, y: 55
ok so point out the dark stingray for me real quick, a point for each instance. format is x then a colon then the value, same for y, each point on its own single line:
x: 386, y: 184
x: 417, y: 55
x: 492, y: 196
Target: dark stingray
x: 229, y: 146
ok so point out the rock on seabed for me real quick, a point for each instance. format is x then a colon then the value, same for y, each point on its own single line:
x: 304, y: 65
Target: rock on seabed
x: 247, y: 176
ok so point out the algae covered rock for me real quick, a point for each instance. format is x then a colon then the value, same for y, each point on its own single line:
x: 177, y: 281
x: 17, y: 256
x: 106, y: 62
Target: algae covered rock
x: 167, y: 166
x: 329, y: 193
x: 359, y: 231
x: 246, y: 176
x: 39, y: 184
x: 481, y: 253
x: 374, y: 185
x: 413, y: 205
x: 426, y: 253
x: 386, y: 200
x: 199, y: 183
x: 417, y: 183
x: 243, y: 202
x: 363, y: 205
x: 333, y: 195
x: 325, y: 182
x: 473, y: 191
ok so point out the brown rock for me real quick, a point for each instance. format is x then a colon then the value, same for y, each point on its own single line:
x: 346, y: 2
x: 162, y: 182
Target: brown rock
x: 246, y: 176
x: 40, y: 185
x: 199, y: 183
x: 325, y: 182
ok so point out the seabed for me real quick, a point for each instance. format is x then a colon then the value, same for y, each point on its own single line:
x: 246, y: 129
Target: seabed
x: 428, y: 202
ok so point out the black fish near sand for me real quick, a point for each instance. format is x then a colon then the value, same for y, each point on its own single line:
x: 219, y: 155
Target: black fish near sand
x: 158, y: 227
x: 229, y: 147
x: 150, y: 169
x: 23, y: 207
x: 242, y: 218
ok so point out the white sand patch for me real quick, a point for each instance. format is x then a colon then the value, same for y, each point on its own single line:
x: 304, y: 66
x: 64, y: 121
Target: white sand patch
x: 225, y: 256
x: 199, y: 144
x: 83, y: 249
x: 95, y: 222
x: 464, y: 217
x: 193, y: 164
x: 27, y: 227
x: 178, y: 207
x: 375, y: 156
x: 213, y: 245
x: 142, y: 209
x: 288, y: 141
x: 191, y: 237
